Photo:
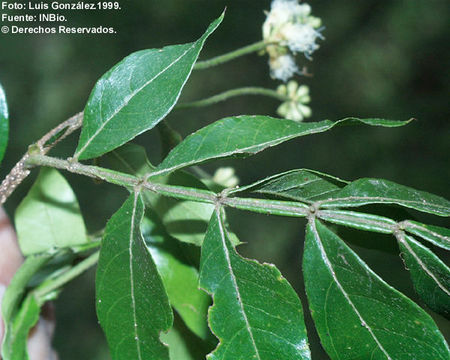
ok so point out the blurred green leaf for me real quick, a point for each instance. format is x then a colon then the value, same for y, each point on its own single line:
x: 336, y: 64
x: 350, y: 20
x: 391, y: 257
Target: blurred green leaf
x: 179, y: 276
x: 256, y: 313
x: 131, y: 159
x: 136, y: 94
x: 248, y: 135
x: 18, y: 317
x: 49, y: 216
x: 302, y: 185
x: 379, y: 191
x: 437, y: 235
x: 358, y: 315
x: 4, y: 123
x: 430, y: 276
x: 132, y: 305
x: 184, y: 345
x: 25, y: 319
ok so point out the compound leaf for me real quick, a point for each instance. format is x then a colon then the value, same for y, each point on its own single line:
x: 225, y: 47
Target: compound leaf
x: 430, y: 276
x: 132, y: 305
x: 136, y: 94
x: 45, y: 215
x: 256, y: 313
x: 358, y: 315
x: 247, y: 135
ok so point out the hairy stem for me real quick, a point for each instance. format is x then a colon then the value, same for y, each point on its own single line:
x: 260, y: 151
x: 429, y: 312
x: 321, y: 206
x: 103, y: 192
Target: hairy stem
x: 230, y: 56
x: 20, y: 171
x: 232, y: 93
x: 265, y: 206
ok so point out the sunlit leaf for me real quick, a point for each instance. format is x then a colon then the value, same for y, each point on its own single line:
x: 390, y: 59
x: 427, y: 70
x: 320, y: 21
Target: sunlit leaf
x: 132, y: 305
x: 430, y: 276
x: 358, y: 315
x: 256, y: 314
x: 247, y: 135
x: 49, y: 216
x: 136, y: 94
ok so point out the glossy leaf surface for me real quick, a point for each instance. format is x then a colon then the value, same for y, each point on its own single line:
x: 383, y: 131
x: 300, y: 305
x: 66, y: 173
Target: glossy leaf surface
x: 358, y: 315
x: 136, y: 94
x: 300, y: 185
x: 179, y: 275
x: 132, y: 305
x: 256, y: 314
x: 430, y: 276
x: 247, y: 135
x: 46, y: 213
x: 380, y: 191
x: 4, y: 123
x: 436, y: 235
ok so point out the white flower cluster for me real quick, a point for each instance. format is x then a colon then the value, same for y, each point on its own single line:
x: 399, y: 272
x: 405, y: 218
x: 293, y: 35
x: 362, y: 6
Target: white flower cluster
x: 289, y: 29
x: 294, y: 108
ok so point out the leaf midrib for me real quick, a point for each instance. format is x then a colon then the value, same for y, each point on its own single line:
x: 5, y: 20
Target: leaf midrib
x: 233, y: 279
x: 328, y: 264
x: 131, y: 96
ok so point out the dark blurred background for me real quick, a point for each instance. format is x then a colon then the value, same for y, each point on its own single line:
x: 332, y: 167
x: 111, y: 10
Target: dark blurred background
x: 385, y: 59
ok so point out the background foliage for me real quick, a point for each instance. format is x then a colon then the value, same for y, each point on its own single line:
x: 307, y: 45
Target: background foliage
x: 380, y: 59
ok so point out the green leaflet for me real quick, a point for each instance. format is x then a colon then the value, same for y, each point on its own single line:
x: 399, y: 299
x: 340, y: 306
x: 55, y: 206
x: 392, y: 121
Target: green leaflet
x: 358, y: 315
x: 301, y: 185
x: 436, y: 235
x: 247, y: 135
x: 379, y: 191
x: 179, y: 276
x: 132, y: 305
x: 256, y: 313
x: 20, y: 317
x: 4, y: 123
x: 46, y: 213
x: 184, y: 345
x: 136, y: 94
x: 431, y: 277
x: 26, y: 318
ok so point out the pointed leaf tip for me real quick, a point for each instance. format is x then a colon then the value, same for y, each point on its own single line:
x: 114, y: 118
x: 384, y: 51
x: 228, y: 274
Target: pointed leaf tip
x: 136, y: 94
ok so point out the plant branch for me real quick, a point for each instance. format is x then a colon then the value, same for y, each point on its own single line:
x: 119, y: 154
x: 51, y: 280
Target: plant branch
x: 230, y: 56
x: 232, y: 93
x: 353, y: 219
x: 20, y: 171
